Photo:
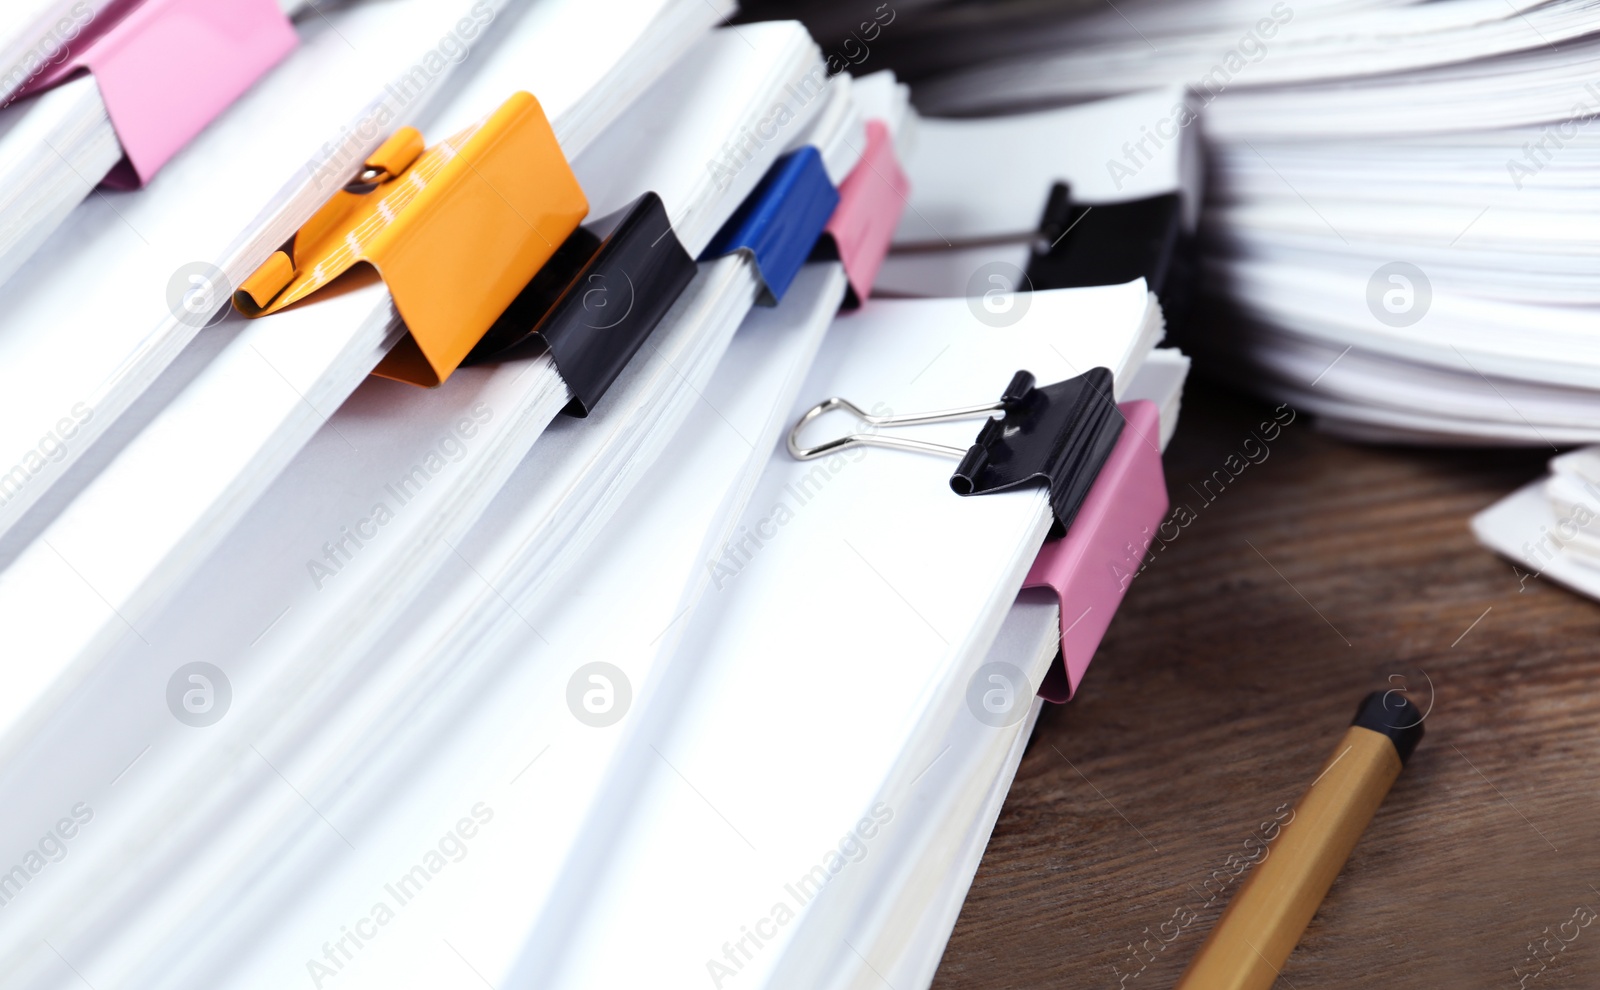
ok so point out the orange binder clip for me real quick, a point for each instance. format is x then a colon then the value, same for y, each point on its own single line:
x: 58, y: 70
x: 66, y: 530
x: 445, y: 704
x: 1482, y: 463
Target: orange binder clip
x: 455, y: 232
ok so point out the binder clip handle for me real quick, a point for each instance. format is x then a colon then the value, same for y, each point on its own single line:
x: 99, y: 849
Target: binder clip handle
x: 1021, y: 384
x: 848, y: 441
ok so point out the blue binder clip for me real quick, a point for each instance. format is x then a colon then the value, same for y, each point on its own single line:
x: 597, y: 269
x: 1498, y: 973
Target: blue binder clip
x: 779, y: 223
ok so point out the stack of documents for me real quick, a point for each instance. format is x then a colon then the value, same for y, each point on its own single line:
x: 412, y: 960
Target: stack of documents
x: 129, y: 538
x: 337, y: 680
x: 1397, y: 236
x: 867, y: 688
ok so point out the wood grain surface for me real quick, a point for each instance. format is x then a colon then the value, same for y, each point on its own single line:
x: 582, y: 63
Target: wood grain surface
x: 1230, y: 672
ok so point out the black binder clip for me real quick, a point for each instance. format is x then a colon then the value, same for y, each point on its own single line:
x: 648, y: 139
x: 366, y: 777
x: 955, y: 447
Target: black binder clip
x: 596, y: 300
x: 1059, y: 434
x: 1080, y: 245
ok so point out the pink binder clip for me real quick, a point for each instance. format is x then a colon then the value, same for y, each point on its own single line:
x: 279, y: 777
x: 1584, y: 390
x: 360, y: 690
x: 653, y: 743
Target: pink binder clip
x: 1091, y: 566
x: 169, y: 67
x: 871, y: 199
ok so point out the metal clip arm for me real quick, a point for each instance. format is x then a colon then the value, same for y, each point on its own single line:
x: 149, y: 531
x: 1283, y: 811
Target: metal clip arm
x: 873, y: 440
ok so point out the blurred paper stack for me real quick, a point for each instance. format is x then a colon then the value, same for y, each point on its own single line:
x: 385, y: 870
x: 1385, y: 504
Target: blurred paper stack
x: 1398, y: 230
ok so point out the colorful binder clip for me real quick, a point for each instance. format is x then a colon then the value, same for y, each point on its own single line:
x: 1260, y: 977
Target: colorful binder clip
x: 169, y: 67
x: 597, y: 299
x: 1091, y: 567
x: 456, y: 233
x: 1060, y: 435
x: 871, y: 199
x: 780, y: 221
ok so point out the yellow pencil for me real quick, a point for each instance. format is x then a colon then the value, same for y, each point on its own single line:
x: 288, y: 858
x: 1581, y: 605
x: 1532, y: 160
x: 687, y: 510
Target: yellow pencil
x: 1264, y: 921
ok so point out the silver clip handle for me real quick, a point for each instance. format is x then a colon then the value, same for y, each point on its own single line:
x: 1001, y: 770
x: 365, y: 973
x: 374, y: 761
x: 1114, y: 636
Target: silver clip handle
x: 800, y: 453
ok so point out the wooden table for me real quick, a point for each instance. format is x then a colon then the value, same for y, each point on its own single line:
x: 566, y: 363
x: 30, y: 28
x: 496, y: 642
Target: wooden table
x: 1231, y: 670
